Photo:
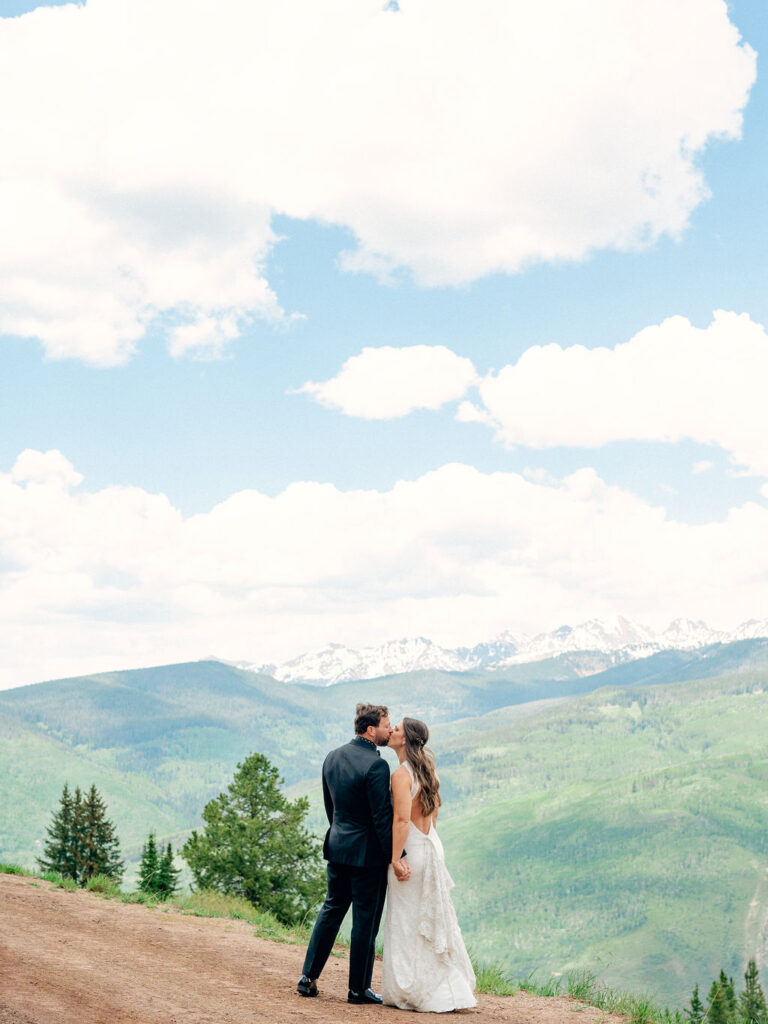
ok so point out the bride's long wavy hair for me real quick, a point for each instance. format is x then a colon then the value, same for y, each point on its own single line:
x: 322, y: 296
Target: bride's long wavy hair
x: 422, y: 760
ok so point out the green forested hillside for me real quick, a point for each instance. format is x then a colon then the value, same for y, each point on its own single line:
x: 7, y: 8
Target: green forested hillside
x: 626, y: 832
x: 158, y: 742
x: 622, y: 829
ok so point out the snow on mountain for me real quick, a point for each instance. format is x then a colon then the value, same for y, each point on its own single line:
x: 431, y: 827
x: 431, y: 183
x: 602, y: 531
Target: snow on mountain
x: 594, y: 635
x: 619, y: 640
x: 337, y: 663
x: 751, y: 630
x: 684, y: 634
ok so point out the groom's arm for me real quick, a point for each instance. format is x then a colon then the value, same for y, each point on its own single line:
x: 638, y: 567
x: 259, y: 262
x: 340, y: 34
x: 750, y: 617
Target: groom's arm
x: 328, y: 800
x: 380, y: 804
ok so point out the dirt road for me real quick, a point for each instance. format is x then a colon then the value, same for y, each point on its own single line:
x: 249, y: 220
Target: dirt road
x: 76, y: 958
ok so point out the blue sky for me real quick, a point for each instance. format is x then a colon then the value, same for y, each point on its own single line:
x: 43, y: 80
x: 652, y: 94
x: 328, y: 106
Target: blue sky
x: 172, y: 275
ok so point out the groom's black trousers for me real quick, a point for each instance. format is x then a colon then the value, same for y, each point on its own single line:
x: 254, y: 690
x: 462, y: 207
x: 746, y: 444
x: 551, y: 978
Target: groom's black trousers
x: 364, y: 889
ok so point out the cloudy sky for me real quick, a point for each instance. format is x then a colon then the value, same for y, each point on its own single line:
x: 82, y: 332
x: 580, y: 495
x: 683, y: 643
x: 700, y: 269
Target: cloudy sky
x: 355, y: 320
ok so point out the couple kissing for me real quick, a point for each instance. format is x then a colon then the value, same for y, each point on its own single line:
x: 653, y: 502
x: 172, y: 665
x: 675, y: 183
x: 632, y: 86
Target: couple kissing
x: 383, y: 843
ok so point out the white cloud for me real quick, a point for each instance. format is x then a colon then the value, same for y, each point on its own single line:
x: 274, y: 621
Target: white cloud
x: 467, y: 412
x: 148, y: 143
x: 703, y: 466
x: 49, y: 468
x: 670, y: 382
x: 118, y: 577
x: 208, y: 336
x: 384, y: 383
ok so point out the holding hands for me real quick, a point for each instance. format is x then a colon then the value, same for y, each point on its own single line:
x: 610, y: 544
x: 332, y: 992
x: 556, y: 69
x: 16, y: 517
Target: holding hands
x: 401, y: 869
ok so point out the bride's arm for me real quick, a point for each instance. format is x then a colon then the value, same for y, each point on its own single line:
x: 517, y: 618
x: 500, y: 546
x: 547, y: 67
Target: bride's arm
x: 401, y: 798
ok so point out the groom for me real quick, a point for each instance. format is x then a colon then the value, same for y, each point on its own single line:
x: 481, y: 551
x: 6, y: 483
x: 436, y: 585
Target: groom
x: 358, y: 848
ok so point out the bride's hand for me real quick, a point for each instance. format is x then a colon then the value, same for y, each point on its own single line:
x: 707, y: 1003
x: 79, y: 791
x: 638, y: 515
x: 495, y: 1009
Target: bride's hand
x: 401, y: 869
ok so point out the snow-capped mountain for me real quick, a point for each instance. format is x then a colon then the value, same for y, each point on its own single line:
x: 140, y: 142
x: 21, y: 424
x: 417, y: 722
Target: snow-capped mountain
x: 336, y: 663
x: 594, y: 635
x: 620, y: 637
x: 618, y: 640
x: 750, y: 630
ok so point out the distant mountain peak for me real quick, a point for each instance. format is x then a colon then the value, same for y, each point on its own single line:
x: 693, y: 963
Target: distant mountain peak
x: 618, y: 639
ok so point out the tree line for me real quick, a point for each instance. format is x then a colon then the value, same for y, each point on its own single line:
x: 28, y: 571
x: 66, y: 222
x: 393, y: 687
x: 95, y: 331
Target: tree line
x: 254, y: 843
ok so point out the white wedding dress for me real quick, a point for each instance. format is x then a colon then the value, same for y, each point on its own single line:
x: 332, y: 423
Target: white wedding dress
x: 425, y: 966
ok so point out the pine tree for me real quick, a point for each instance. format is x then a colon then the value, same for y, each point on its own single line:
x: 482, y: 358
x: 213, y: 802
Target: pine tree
x: 101, y: 845
x: 58, y: 851
x: 168, y: 875
x: 718, y: 1011
x: 254, y: 844
x: 752, y: 1007
x: 729, y: 989
x: 81, y: 840
x: 695, y: 1014
x: 149, y: 866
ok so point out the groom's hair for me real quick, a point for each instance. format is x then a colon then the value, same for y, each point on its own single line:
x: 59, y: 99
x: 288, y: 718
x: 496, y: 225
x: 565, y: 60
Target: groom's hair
x: 368, y: 714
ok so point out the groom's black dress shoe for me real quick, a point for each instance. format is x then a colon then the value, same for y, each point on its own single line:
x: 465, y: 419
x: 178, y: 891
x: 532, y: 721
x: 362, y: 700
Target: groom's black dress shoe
x: 369, y: 996
x: 306, y: 986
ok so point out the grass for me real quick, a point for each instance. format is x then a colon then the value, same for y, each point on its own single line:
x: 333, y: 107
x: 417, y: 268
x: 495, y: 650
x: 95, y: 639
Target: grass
x: 215, y: 904
x: 60, y: 880
x: 104, y: 885
x: 13, y: 869
x: 584, y: 986
x: 492, y: 980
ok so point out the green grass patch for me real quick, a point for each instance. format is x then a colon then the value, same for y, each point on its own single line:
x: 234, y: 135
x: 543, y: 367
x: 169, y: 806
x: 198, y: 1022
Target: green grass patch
x: 138, y: 896
x: 584, y: 986
x: 491, y: 979
x: 551, y: 987
x: 104, y: 885
x: 57, y: 879
x: 13, y: 869
x: 215, y: 904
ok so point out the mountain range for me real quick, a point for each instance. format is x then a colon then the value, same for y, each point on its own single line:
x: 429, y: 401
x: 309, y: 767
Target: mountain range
x: 616, y: 641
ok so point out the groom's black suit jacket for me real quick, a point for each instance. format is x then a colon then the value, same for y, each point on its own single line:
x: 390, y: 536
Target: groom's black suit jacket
x: 358, y: 805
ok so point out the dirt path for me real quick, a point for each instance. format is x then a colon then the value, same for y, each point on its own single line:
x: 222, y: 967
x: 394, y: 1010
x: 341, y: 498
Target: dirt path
x: 76, y: 958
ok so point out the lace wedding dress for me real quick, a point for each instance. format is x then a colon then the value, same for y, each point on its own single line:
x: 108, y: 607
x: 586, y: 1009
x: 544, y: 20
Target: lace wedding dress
x: 425, y: 966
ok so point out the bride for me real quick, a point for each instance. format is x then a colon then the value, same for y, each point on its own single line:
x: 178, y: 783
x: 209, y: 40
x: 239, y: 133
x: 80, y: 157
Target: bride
x: 425, y: 966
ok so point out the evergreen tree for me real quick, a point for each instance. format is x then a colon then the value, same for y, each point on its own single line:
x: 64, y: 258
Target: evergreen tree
x: 59, y: 853
x: 101, y: 845
x: 149, y: 866
x: 729, y: 989
x: 81, y: 840
x: 695, y: 1014
x: 254, y: 844
x: 168, y: 875
x: 718, y: 1010
x: 751, y: 1003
